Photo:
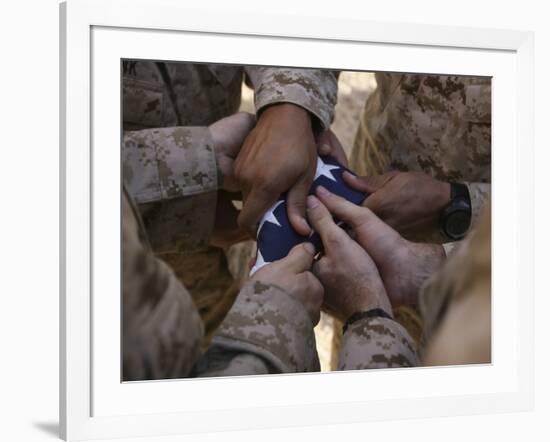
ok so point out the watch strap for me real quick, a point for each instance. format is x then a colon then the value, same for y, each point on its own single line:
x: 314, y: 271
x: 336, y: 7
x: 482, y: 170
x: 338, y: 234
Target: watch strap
x: 372, y: 313
x: 459, y: 190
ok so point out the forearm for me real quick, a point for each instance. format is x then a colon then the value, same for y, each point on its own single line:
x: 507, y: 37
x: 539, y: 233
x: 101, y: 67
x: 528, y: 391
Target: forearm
x: 315, y: 90
x: 376, y: 343
x: 266, y: 331
x: 172, y: 175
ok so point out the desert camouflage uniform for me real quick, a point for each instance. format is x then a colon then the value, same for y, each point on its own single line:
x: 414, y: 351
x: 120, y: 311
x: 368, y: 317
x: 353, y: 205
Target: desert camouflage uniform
x: 459, y: 294
x: 377, y: 343
x: 266, y: 330
x: 436, y: 124
x: 162, y: 95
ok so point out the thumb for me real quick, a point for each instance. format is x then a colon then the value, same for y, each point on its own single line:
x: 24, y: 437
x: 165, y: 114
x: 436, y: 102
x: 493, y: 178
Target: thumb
x: 300, y: 258
x: 329, y: 144
x: 375, y: 202
x: 296, y: 205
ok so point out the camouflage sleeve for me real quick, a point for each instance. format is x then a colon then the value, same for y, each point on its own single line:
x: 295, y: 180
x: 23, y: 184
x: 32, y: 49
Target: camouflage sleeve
x: 161, y: 328
x: 480, y: 194
x: 313, y: 89
x: 266, y: 331
x: 171, y: 173
x: 376, y: 343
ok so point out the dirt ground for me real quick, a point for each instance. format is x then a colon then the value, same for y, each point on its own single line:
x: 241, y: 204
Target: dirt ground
x: 353, y: 90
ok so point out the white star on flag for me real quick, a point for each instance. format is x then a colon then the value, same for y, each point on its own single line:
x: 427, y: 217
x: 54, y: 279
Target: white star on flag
x: 324, y: 169
x: 259, y: 264
x: 270, y: 217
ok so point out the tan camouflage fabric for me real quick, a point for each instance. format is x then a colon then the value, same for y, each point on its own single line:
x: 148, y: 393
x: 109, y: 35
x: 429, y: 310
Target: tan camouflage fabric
x: 171, y: 173
x: 264, y: 321
x: 266, y: 330
x: 313, y: 89
x: 436, y: 124
x: 158, y: 94
x: 169, y: 95
x: 377, y: 343
x: 460, y: 294
x: 161, y: 328
x: 456, y: 310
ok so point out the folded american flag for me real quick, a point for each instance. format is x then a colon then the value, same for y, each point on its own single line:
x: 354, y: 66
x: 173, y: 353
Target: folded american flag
x: 276, y: 236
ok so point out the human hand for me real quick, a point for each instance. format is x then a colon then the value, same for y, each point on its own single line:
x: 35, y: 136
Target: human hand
x: 329, y: 144
x: 279, y: 155
x: 407, y: 201
x: 226, y: 231
x: 228, y: 135
x: 293, y: 276
x: 403, y: 265
x: 348, y: 274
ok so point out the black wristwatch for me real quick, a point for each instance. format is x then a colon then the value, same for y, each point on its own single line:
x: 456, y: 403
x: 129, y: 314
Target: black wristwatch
x: 455, y: 218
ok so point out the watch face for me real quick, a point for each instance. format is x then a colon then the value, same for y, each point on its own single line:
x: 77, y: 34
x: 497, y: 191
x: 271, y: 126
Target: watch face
x: 457, y: 223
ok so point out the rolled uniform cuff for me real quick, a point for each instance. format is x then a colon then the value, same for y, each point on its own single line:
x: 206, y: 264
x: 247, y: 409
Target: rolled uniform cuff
x: 171, y: 174
x: 480, y: 194
x: 376, y: 343
x: 268, y: 323
x: 313, y: 89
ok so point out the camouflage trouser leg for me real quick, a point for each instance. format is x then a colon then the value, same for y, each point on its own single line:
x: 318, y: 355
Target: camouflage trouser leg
x: 207, y: 277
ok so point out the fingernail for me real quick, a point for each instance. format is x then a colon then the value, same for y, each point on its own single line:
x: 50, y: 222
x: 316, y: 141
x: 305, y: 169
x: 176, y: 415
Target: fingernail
x: 322, y: 191
x: 310, y: 248
x: 312, y: 202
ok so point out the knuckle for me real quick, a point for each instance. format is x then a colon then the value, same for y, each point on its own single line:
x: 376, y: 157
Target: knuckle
x: 316, y: 288
x: 265, y: 185
x: 360, y: 217
x: 310, y: 279
x: 324, y: 265
x: 332, y: 238
x: 305, y: 282
x: 324, y: 271
x: 246, y: 220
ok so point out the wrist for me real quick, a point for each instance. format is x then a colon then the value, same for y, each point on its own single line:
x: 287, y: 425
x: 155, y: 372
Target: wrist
x: 442, y: 195
x: 417, y: 263
x: 218, y: 155
x: 439, y: 254
x: 294, y: 113
x: 357, y: 316
x: 377, y: 300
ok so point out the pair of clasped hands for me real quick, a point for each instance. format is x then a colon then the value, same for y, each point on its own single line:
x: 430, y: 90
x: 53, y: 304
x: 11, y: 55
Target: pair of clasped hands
x: 368, y: 266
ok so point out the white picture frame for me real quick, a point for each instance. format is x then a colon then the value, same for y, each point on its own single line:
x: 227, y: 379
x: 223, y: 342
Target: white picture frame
x: 94, y: 404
